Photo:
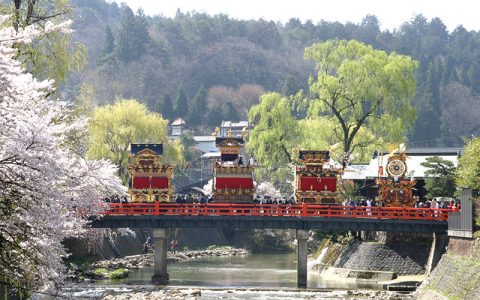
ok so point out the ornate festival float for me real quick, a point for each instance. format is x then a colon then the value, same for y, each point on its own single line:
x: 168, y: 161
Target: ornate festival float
x: 395, y: 189
x: 314, y: 182
x: 232, y: 176
x: 149, y: 178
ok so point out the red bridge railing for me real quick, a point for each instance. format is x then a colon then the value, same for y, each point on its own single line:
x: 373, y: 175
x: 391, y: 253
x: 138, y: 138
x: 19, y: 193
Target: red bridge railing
x: 275, y: 210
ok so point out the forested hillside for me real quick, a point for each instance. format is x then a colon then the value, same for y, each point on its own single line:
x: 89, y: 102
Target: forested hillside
x: 208, y: 68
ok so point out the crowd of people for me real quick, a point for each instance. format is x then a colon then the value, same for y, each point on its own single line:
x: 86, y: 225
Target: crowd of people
x: 116, y: 199
x: 438, y: 203
x: 193, y: 198
x: 365, y: 202
x: 273, y: 200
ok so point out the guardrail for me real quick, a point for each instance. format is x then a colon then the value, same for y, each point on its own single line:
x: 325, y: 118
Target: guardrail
x: 275, y: 210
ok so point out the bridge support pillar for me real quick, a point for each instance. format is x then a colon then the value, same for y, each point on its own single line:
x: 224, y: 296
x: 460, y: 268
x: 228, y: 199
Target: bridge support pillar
x: 160, y: 275
x: 439, y: 243
x: 302, y: 238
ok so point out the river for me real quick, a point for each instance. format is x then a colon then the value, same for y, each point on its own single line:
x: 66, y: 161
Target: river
x: 254, y: 270
x: 255, y: 276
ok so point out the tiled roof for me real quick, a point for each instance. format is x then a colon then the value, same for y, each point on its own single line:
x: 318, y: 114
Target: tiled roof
x: 178, y: 121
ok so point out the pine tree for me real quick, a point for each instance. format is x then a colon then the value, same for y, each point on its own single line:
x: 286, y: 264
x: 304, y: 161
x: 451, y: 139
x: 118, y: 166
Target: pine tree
x: 133, y: 36
x: 199, y: 104
x: 109, y: 43
x: 123, y: 48
x: 181, y: 105
x: 165, y: 107
x: 215, y: 116
x: 230, y: 112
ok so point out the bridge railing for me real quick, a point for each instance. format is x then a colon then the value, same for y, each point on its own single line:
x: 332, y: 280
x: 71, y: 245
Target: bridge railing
x: 276, y: 210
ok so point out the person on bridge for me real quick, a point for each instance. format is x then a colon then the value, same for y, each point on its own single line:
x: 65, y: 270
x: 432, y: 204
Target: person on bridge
x: 251, y: 160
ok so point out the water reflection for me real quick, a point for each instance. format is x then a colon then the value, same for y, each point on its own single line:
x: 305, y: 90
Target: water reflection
x: 255, y: 270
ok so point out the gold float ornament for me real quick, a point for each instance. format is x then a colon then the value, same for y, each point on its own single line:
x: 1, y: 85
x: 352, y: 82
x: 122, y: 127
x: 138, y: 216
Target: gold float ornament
x: 216, y: 131
x: 244, y: 132
x: 396, y: 167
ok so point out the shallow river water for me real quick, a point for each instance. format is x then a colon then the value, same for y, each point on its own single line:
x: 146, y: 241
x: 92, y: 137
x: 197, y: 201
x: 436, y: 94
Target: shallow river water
x: 255, y: 276
x: 254, y: 270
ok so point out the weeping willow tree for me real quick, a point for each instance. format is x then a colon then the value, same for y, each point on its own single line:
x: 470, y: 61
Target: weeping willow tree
x: 362, y: 89
x: 277, y: 135
x: 114, y: 127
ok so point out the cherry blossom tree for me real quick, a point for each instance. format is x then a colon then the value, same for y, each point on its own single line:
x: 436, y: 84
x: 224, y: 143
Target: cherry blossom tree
x: 46, y: 185
x: 268, y: 189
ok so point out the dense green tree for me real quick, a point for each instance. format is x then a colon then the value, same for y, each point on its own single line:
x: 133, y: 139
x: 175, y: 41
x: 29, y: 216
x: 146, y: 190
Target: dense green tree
x: 181, y: 103
x: 439, y: 177
x: 468, y: 172
x: 109, y: 44
x: 290, y: 86
x: 165, y: 107
x: 362, y: 88
x: 215, y: 115
x: 230, y: 112
x: 114, y: 127
x: 133, y: 37
x: 188, y: 143
x: 198, y: 109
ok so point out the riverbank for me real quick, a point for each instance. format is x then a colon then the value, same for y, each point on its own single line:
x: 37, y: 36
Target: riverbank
x: 457, y: 275
x: 117, y: 268
x: 174, y: 293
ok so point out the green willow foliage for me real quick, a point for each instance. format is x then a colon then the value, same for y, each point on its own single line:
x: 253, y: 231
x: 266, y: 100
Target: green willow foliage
x: 468, y: 171
x: 113, y: 128
x: 361, y: 87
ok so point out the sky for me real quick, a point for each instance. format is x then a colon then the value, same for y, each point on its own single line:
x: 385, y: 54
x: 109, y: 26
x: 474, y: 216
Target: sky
x: 391, y: 13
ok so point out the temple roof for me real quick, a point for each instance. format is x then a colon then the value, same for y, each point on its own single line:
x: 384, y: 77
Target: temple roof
x: 136, y: 148
x: 415, y: 157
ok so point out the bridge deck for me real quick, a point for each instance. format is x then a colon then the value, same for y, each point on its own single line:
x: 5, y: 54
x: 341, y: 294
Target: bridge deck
x: 305, y: 216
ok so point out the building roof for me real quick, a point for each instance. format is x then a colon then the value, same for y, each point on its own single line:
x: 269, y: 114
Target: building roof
x: 414, y: 159
x: 432, y: 151
x: 204, y: 138
x: 212, y: 154
x: 234, y: 124
x: 178, y: 122
x: 205, y: 143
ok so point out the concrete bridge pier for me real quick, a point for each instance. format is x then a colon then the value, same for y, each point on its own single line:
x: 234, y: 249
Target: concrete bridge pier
x: 439, y: 244
x: 302, y: 238
x: 160, y: 275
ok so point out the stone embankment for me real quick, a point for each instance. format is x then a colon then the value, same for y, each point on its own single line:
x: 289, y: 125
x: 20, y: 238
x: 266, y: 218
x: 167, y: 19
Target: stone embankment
x: 396, y: 253
x: 120, y: 267
x: 457, y: 275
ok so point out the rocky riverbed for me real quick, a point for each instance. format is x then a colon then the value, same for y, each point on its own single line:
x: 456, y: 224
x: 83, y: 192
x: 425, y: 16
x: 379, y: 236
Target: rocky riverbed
x: 152, y: 293
x: 119, y: 267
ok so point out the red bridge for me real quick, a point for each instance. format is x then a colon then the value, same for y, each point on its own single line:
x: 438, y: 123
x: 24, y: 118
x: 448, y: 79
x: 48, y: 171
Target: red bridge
x: 274, y: 216
x: 276, y: 210
x: 302, y: 217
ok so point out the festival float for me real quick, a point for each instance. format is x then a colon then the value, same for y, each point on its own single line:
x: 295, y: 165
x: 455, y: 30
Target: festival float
x: 395, y: 189
x: 150, y: 179
x: 314, y: 182
x: 232, y: 177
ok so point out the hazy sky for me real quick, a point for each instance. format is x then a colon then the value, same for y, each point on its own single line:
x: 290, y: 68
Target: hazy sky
x: 391, y: 13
